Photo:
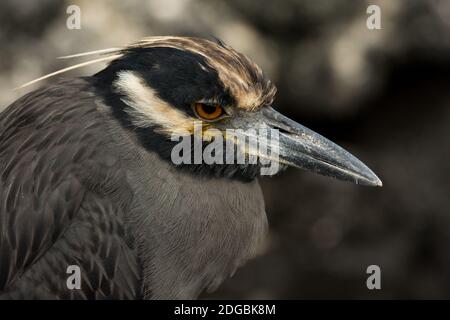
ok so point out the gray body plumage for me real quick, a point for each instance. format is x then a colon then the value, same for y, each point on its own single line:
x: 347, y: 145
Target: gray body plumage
x: 76, y: 188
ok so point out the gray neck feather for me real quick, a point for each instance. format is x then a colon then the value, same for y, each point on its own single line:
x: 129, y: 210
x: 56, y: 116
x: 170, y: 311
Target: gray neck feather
x: 191, y: 232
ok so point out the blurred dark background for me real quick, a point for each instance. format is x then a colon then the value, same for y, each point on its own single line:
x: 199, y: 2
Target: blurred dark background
x: 382, y: 94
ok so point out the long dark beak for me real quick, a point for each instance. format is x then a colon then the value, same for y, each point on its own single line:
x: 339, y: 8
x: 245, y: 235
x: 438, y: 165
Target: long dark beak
x: 303, y: 148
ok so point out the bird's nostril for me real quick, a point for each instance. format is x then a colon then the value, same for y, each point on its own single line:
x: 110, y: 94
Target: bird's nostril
x: 280, y: 129
x: 283, y: 131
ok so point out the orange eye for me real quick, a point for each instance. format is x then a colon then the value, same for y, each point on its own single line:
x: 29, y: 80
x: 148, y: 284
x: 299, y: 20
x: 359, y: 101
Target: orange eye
x: 208, y: 112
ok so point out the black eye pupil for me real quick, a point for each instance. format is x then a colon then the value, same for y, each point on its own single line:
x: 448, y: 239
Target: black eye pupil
x: 209, y: 109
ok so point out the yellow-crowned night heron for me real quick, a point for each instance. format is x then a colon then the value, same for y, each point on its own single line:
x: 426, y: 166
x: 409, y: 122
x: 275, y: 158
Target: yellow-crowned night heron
x: 86, y: 176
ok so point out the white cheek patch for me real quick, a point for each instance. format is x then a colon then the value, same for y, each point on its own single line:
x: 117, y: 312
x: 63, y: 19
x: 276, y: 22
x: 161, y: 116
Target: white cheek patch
x: 147, y: 109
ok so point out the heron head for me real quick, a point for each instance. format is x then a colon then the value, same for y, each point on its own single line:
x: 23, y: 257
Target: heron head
x: 169, y: 87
